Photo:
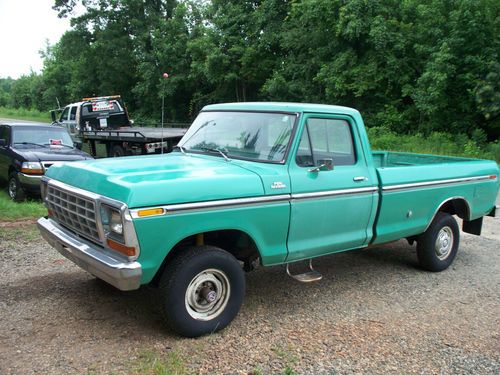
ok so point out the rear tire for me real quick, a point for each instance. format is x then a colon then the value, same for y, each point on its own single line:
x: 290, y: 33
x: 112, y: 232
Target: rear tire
x: 16, y: 192
x: 117, y: 151
x: 438, y: 245
x: 202, y: 290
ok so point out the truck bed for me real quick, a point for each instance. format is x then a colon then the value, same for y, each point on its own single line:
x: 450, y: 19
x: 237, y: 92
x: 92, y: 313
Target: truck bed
x: 413, y: 186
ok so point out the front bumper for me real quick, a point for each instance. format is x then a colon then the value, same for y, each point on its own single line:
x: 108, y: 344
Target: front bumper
x: 117, y: 272
x: 28, y: 182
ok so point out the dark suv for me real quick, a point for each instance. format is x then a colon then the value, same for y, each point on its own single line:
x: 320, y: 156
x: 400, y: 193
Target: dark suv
x: 27, y: 150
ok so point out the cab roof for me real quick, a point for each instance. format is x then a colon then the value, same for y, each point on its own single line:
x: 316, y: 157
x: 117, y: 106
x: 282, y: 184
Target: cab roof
x: 282, y: 107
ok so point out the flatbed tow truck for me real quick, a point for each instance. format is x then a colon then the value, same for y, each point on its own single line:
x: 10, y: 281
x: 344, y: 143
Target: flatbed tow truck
x: 105, y: 120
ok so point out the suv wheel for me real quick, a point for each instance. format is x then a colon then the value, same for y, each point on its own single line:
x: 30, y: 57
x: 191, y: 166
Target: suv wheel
x: 16, y: 192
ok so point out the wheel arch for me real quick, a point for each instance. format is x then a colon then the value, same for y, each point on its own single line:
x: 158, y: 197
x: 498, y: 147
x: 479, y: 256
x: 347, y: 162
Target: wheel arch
x: 235, y: 241
x: 454, y: 206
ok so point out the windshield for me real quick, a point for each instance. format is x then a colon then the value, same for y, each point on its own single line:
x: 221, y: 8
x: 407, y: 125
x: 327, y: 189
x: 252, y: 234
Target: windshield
x: 43, y: 137
x: 241, y: 135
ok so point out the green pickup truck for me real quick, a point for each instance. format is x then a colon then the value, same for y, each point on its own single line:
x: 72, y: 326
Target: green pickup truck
x: 274, y: 183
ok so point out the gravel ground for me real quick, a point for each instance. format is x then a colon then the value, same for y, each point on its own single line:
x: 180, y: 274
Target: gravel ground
x: 374, y: 311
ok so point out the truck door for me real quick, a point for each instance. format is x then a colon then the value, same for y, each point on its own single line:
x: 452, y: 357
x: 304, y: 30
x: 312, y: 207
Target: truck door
x: 333, y: 199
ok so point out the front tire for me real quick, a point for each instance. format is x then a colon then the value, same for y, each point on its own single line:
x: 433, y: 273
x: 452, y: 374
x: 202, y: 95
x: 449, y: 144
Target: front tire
x: 438, y: 245
x: 16, y: 192
x: 201, y: 291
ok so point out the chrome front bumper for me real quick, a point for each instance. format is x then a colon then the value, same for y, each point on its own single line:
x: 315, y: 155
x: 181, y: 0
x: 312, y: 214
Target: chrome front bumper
x: 117, y: 272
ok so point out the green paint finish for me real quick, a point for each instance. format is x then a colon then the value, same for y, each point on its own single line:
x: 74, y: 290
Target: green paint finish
x: 267, y: 225
x: 325, y: 210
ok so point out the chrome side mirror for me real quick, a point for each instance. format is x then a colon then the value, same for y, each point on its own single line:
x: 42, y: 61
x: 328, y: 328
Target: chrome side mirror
x: 324, y: 165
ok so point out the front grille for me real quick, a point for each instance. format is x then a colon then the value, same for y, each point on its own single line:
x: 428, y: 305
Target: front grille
x: 73, y: 211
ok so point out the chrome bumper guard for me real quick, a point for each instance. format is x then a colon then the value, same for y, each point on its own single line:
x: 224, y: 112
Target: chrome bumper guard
x: 121, y: 274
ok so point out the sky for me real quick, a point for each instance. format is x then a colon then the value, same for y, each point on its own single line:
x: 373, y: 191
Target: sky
x: 25, y: 25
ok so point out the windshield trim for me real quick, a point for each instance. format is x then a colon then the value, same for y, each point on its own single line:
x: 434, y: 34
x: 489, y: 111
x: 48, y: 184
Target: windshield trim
x: 288, y: 147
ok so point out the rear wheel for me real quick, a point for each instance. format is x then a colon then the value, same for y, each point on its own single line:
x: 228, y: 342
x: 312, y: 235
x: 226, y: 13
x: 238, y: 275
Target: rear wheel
x: 438, y: 245
x: 16, y: 192
x: 201, y: 291
x: 117, y: 151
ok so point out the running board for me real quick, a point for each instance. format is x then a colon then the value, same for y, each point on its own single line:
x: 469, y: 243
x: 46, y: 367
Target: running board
x: 305, y: 277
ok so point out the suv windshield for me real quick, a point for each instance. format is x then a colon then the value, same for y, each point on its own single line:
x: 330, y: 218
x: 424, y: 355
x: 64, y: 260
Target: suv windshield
x: 255, y: 136
x: 43, y: 137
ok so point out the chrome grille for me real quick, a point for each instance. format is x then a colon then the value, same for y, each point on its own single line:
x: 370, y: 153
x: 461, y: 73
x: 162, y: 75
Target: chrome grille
x: 73, y: 211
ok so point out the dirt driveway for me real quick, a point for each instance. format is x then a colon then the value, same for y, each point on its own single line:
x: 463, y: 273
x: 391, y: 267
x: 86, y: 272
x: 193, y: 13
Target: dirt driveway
x: 373, y: 312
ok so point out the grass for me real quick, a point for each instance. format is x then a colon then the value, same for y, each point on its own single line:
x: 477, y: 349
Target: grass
x: 24, y: 114
x: 9, y: 210
x: 288, y: 360
x: 19, y: 233
x: 151, y: 363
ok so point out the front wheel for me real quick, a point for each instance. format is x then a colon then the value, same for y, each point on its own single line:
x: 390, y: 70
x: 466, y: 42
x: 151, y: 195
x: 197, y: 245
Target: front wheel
x: 201, y: 291
x: 438, y: 245
x: 16, y: 192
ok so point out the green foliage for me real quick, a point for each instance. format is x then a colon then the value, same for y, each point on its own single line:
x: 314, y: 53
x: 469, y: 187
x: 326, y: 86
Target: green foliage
x: 10, y: 210
x: 440, y: 143
x: 414, y: 66
x: 151, y: 363
x: 24, y: 114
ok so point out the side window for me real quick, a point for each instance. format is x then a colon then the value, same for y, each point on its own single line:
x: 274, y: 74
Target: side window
x: 72, y: 115
x: 329, y: 139
x: 64, y: 114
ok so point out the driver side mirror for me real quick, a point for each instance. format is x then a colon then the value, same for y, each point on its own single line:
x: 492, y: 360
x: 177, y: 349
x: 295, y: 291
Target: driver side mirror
x: 3, y: 143
x: 324, y: 165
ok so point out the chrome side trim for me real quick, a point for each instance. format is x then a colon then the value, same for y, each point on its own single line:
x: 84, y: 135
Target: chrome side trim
x: 182, y: 207
x: 332, y: 193
x: 436, y: 183
x: 238, y: 202
x: 114, y: 269
x: 446, y: 201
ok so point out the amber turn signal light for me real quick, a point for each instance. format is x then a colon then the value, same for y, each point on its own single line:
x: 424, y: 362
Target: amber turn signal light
x: 126, y: 250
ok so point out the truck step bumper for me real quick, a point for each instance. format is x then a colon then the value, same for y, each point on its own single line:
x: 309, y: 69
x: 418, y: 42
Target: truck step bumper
x: 120, y: 274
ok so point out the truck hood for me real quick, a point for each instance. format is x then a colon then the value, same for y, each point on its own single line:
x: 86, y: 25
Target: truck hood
x: 160, y: 179
x: 52, y: 154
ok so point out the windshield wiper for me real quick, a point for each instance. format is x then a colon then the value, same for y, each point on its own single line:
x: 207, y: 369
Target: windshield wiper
x: 180, y: 148
x: 216, y: 150
x: 29, y: 143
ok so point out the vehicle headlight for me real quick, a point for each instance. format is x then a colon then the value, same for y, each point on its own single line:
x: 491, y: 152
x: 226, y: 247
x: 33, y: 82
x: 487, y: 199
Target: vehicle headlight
x: 112, y: 222
x: 31, y: 167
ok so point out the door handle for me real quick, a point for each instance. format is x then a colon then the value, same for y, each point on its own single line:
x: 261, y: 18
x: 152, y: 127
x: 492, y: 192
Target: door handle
x: 360, y: 178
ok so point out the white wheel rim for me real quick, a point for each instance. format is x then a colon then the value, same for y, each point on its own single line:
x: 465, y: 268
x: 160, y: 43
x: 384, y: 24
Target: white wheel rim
x: 207, y: 294
x: 444, y: 243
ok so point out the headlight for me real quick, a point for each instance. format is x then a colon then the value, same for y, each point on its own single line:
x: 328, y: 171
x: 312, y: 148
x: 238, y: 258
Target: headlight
x: 116, y: 238
x: 31, y: 167
x: 112, y: 222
